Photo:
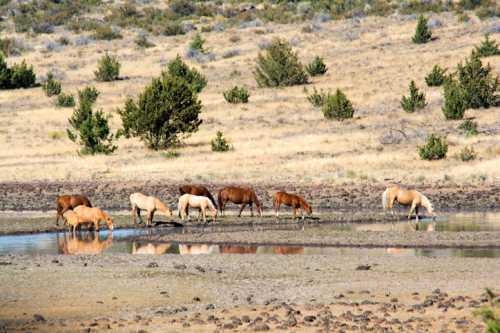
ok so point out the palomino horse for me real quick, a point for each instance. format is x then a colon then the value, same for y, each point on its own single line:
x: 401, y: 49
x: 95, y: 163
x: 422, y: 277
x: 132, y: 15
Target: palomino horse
x: 140, y: 201
x: 195, y: 201
x: 93, y: 215
x: 296, y: 202
x: 73, y: 220
x: 406, y: 197
x: 66, y: 202
x: 240, y: 196
x: 197, y: 190
x: 81, y: 245
x: 150, y: 248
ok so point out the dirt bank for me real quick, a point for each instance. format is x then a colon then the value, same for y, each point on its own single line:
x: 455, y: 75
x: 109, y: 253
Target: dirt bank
x: 114, y: 195
x: 303, y: 293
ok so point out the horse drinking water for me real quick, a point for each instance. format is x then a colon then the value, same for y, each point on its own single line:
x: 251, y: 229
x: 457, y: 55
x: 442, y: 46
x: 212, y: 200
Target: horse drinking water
x: 406, y: 197
x: 93, y: 215
x: 240, y: 196
x: 295, y: 201
x: 140, y: 201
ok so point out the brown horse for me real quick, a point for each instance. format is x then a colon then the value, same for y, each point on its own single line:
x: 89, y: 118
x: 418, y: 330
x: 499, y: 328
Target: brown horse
x: 240, y: 196
x: 197, y: 190
x: 296, y: 202
x: 406, y: 197
x: 66, y: 202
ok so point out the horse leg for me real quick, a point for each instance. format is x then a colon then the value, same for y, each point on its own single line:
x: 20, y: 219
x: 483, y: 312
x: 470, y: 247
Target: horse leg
x: 251, y: 209
x: 134, y: 211
x: 416, y: 213
x: 413, y: 205
x: 204, y: 215
x: 139, y: 214
x: 241, y: 209
x: 150, y: 217
x: 222, y: 208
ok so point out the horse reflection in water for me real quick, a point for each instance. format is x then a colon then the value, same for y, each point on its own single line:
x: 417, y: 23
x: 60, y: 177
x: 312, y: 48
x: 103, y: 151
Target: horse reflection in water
x: 237, y: 249
x: 150, y: 248
x: 197, y: 249
x: 83, y: 243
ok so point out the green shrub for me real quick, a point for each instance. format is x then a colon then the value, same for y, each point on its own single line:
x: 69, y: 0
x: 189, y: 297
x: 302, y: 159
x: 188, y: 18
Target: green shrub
x: 166, y: 110
x: 436, y: 77
x: 467, y: 154
x: 490, y: 313
x: 89, y: 93
x: 108, y: 69
x: 197, y: 43
x: 90, y: 129
x: 279, y: 66
x: 65, y: 100
x: 220, y: 143
x: 236, y: 95
x: 487, y: 48
x: 435, y: 148
x: 469, y: 127
x: 422, y: 33
x: 4, y: 73
x: 195, y: 79
x: 143, y: 42
x: 182, y: 7
x: 416, y: 99
x: 317, y: 98
x: 22, y: 76
x: 337, y: 106
x: 172, y: 29
x: 51, y: 86
x: 454, y: 100
x: 171, y: 154
x: 316, y: 67
x: 478, y: 83
x: 105, y: 32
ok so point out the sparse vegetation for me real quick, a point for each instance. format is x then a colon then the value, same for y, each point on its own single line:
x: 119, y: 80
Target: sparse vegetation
x: 17, y: 76
x: 172, y: 29
x: 88, y: 93
x: 51, y: 86
x: 317, y: 98
x: 435, y: 148
x: 195, y: 79
x: 90, y: 129
x: 108, y: 69
x: 467, y: 154
x: 106, y: 32
x: 220, y: 143
x: 436, y: 77
x: 279, y: 66
x: 415, y: 101
x: 56, y: 135
x: 166, y: 110
x: 236, y: 95
x: 454, y: 100
x: 65, y: 100
x: 316, y: 67
x: 337, y: 106
x: 478, y: 84
x: 490, y: 314
x: 422, y: 33
x: 170, y: 154
x: 197, y: 43
x: 487, y: 48
x: 142, y: 41
x: 469, y: 127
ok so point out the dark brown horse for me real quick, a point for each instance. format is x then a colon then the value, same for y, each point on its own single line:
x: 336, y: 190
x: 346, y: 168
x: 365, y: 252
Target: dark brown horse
x: 66, y: 202
x: 292, y: 200
x: 197, y: 190
x: 240, y: 196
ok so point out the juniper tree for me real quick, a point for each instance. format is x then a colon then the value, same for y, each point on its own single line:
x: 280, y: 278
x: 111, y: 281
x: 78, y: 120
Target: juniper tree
x: 195, y: 79
x: 436, y: 77
x: 416, y: 99
x: 337, y: 106
x: 423, y: 33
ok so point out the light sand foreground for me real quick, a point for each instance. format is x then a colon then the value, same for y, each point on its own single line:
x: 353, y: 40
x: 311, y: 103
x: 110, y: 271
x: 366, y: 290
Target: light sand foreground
x: 277, y: 136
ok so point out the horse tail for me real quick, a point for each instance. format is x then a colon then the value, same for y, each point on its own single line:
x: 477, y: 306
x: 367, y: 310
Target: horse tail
x: 426, y: 203
x: 385, y: 199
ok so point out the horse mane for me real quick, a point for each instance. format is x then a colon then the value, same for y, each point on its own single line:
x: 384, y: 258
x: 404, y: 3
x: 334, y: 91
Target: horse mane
x: 426, y: 203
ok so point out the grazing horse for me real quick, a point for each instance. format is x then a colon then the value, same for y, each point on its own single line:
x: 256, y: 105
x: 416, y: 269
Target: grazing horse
x: 140, y: 201
x: 406, y: 197
x: 196, y: 201
x: 66, y: 202
x: 240, y: 196
x: 197, y: 190
x: 296, y: 202
x: 93, y: 215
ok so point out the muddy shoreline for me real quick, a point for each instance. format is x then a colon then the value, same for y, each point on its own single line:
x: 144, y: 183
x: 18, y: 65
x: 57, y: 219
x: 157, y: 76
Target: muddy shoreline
x: 114, y: 195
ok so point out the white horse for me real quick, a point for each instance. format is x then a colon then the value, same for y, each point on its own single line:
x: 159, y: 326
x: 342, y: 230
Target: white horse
x: 196, y: 201
x: 140, y: 201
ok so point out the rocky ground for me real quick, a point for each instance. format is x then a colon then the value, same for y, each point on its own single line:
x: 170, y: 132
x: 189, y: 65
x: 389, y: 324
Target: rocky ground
x: 351, y: 292
x: 348, y: 197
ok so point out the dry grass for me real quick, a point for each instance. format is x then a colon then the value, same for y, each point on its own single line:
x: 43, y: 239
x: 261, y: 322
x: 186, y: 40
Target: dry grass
x: 277, y: 136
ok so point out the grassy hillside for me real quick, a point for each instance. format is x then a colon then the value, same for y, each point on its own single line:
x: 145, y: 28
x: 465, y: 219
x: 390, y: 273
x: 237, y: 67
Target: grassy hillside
x: 276, y: 137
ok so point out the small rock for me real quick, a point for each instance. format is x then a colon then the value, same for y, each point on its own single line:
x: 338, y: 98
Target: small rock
x: 210, y: 307
x: 39, y: 317
x: 200, y: 269
x: 309, y: 319
x: 180, y: 266
x: 363, y: 268
x: 196, y: 299
x: 152, y: 265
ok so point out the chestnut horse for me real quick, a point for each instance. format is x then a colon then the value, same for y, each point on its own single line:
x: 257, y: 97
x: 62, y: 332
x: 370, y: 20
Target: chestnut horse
x: 292, y: 200
x: 197, y: 190
x: 406, y: 197
x: 93, y: 215
x: 240, y: 196
x: 66, y: 202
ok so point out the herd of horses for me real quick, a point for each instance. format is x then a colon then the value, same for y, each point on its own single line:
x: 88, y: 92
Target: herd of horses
x: 76, y: 210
